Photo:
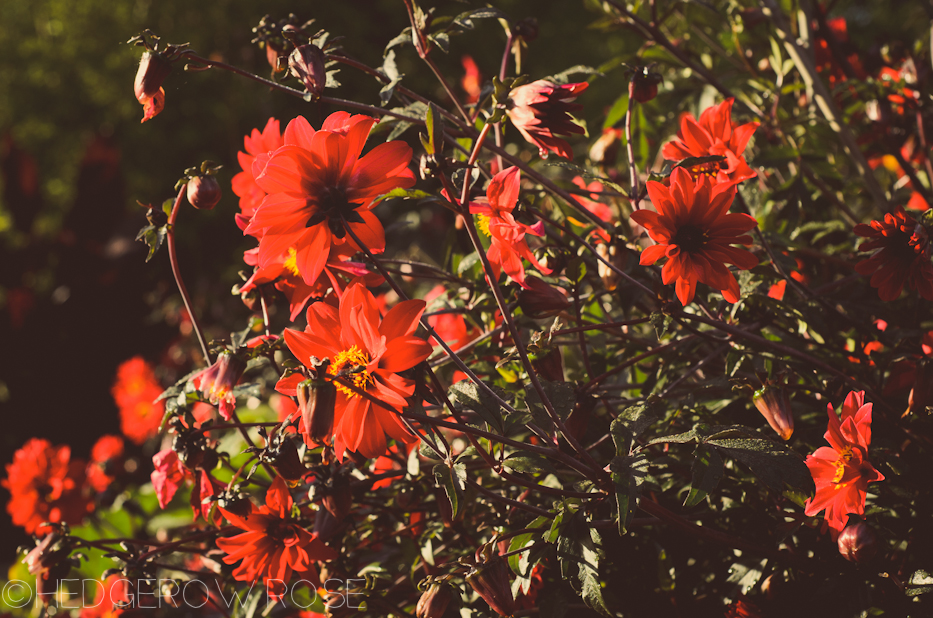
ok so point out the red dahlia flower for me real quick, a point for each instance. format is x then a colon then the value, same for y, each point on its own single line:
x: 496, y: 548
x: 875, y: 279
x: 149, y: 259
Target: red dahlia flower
x: 45, y: 485
x: 317, y: 183
x: 714, y: 134
x: 901, y: 254
x: 369, y: 351
x: 106, y: 461
x: 541, y: 111
x: 109, y: 596
x: 508, y: 245
x: 841, y: 471
x: 259, y: 145
x: 695, y: 231
x: 135, y: 392
x: 273, y: 545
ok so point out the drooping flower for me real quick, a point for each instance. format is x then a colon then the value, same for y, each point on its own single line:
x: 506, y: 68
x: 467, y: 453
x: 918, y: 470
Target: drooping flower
x: 317, y: 184
x: 45, y: 486
x: 841, y: 471
x: 259, y: 145
x: 714, y: 135
x: 153, y: 69
x: 508, y: 245
x: 106, y: 459
x: 369, y: 351
x: 695, y: 232
x: 541, y: 111
x: 218, y: 381
x: 135, y: 392
x: 273, y: 545
x: 167, y: 475
x: 900, y: 255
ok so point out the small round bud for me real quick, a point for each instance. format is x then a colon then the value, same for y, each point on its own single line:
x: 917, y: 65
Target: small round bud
x: 203, y: 192
x: 645, y: 85
x: 858, y: 542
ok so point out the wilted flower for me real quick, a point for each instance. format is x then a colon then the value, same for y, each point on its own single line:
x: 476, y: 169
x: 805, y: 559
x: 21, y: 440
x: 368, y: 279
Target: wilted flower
x: 153, y: 69
x: 539, y: 300
x: 901, y: 254
x: 306, y: 63
x: 434, y: 600
x: 541, y: 111
x: 695, y: 232
x: 218, y: 381
x: 858, y: 542
x: 774, y: 405
x: 841, y: 471
x: 490, y: 579
x: 714, y: 135
x: 645, y: 86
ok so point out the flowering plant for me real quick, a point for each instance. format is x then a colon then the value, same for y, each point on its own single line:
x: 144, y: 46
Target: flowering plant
x: 532, y: 344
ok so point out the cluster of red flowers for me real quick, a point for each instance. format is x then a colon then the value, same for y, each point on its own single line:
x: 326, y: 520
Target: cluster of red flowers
x: 135, y: 392
x: 900, y: 255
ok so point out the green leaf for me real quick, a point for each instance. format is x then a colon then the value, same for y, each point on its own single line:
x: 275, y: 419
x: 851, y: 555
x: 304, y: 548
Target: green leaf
x: 560, y: 394
x: 465, y: 395
x: 617, y: 111
x: 680, y: 438
x: 515, y: 560
x: 661, y: 323
x: 434, y: 123
x: 579, y: 551
x: 153, y: 237
x: 920, y: 582
x: 405, y: 194
x: 390, y: 69
x: 707, y: 472
x: 628, y: 473
x: 453, y: 480
x: 773, y: 463
x: 630, y: 424
x: 528, y: 462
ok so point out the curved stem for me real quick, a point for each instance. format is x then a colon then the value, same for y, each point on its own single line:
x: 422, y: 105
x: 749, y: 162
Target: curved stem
x: 176, y: 272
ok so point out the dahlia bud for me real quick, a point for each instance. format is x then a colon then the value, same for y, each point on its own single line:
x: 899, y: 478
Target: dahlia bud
x: 203, y: 192
x: 774, y: 405
x: 858, y: 542
x: 156, y: 216
x: 539, y: 300
x: 434, y: 600
x: 339, y: 497
x: 548, y: 363
x: 645, y: 85
x: 282, y: 454
x: 153, y: 69
x: 307, y: 64
x: 316, y: 400
x: 921, y: 395
x: 490, y: 580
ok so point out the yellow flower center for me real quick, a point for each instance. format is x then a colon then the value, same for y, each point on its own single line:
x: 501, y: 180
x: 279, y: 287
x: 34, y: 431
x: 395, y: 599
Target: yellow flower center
x: 351, y: 365
x: 291, y: 262
x: 482, y: 221
x: 844, y: 457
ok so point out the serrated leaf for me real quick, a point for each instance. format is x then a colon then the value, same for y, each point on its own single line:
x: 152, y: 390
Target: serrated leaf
x: 773, y: 463
x: 560, y: 394
x: 453, y: 480
x: 630, y: 424
x: 390, y: 69
x: 707, y: 472
x: 628, y: 473
x: 680, y: 438
x: 528, y: 462
x: 465, y: 395
x: 579, y: 551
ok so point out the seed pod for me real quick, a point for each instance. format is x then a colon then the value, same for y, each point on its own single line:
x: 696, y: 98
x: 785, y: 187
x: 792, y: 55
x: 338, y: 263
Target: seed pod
x: 490, y: 580
x: 316, y: 400
x: 203, y: 192
x: 858, y: 542
x: 774, y: 405
x: 307, y: 64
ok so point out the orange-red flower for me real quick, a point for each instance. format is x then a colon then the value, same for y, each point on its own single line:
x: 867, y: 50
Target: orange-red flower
x: 153, y: 68
x: 541, y: 111
x: 259, y: 146
x: 317, y: 183
x: 45, y: 485
x: 218, y: 381
x: 841, y: 471
x: 135, y: 392
x: 507, y: 236
x: 695, y: 231
x: 452, y: 327
x: 901, y: 254
x: 369, y: 351
x: 472, y: 79
x: 106, y: 460
x: 273, y: 545
x: 714, y: 135
x: 110, y: 598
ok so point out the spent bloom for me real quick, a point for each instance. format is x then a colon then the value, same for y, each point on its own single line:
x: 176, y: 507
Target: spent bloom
x: 841, y: 471
x: 714, y: 134
x: 369, y: 351
x: 541, y: 111
x: 900, y: 255
x: 273, y: 545
x: 153, y: 69
x: 45, y: 486
x: 135, y: 391
x: 218, y: 381
x: 508, y: 245
x: 317, y: 184
x: 695, y: 232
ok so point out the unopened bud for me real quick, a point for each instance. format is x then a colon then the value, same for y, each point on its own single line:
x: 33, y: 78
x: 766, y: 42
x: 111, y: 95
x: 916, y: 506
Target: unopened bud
x: 490, y: 580
x: 539, y: 300
x: 316, y: 401
x: 283, y: 456
x: 307, y: 64
x: 645, y: 86
x: 858, y: 542
x: 156, y: 216
x: 548, y: 363
x: 774, y: 405
x: 434, y: 601
x: 203, y: 192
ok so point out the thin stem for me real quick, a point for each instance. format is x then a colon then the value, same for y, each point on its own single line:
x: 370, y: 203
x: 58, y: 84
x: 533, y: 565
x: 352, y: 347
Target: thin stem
x: 176, y: 272
x: 629, y: 147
